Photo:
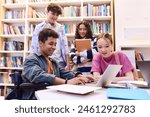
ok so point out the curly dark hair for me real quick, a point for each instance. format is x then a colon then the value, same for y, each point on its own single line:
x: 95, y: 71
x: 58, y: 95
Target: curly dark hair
x: 54, y: 8
x: 88, y: 27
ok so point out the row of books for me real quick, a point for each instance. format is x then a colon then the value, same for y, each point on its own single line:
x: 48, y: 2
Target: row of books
x: 15, y: 1
x: 32, y: 13
x: 12, y: 45
x: 101, y: 10
x: 72, y: 11
x: 31, y: 28
x: 30, y: 1
x: 4, y: 80
x: 70, y: 28
x: 13, y: 30
x: 99, y: 27
x: 4, y: 77
x: 12, y: 61
x: 14, y: 14
x: 139, y: 56
x: 42, y: 0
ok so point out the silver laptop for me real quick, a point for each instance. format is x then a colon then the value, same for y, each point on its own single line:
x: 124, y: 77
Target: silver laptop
x: 107, y: 77
x: 144, y: 67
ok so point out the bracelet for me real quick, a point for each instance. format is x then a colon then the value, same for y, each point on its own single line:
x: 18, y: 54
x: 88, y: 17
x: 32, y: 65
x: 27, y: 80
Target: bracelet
x: 66, y: 81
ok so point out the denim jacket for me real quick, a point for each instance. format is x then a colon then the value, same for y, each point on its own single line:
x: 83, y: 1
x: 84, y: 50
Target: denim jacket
x: 36, y: 71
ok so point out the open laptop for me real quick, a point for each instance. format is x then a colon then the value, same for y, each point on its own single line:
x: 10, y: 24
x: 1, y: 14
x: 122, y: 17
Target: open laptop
x: 104, y: 81
x: 144, y: 67
x: 107, y: 77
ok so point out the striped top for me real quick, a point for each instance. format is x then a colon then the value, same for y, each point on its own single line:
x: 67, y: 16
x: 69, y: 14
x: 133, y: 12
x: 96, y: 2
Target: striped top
x: 83, y: 61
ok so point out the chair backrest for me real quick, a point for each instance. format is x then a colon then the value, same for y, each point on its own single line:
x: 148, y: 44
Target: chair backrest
x: 22, y: 88
x: 16, y: 78
x: 16, y: 91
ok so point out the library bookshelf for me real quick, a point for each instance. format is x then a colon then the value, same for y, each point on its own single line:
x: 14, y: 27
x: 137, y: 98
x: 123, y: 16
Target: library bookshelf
x: 141, y: 53
x: 18, y: 19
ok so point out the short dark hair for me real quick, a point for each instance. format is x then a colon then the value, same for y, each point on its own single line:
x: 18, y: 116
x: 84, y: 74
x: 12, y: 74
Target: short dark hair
x: 88, y: 27
x: 45, y: 33
x: 54, y: 8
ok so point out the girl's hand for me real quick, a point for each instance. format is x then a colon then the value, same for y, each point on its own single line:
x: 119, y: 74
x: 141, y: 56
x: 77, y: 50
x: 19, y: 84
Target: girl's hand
x: 77, y: 53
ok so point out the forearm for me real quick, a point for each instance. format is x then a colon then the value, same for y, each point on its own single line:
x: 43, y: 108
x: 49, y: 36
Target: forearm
x: 67, y: 61
x: 128, y: 77
x: 58, y: 81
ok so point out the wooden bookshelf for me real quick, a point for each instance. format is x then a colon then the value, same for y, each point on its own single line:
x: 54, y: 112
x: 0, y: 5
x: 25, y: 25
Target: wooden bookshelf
x: 28, y: 20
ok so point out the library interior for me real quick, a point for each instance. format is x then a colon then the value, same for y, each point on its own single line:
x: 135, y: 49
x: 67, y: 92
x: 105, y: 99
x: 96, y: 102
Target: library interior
x: 126, y: 21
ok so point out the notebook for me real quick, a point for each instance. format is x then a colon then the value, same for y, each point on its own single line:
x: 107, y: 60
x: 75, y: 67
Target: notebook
x: 74, y: 89
x: 127, y: 94
x: 107, y: 77
x: 83, y: 44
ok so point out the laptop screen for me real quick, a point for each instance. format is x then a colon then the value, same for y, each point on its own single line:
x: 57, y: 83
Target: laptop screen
x: 144, y: 67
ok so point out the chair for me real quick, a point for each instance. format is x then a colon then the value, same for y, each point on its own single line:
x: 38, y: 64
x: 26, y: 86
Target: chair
x: 19, y: 86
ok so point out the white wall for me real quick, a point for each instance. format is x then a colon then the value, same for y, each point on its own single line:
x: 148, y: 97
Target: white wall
x: 132, y: 22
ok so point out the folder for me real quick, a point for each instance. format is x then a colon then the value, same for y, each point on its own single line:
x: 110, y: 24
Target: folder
x: 127, y: 94
x: 83, y: 44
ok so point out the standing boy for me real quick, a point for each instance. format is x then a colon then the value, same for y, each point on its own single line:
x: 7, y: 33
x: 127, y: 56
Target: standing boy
x: 61, y: 52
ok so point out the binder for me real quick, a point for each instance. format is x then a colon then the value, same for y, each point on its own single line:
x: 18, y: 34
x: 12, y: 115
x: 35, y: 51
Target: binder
x: 127, y: 94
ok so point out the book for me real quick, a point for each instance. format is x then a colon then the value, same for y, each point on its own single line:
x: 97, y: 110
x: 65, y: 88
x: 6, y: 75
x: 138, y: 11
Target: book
x: 139, y: 84
x: 127, y: 94
x: 82, y: 44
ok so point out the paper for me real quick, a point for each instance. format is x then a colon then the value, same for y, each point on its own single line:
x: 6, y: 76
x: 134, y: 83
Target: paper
x: 82, y: 44
x: 127, y: 94
x: 75, y: 89
x: 136, y: 83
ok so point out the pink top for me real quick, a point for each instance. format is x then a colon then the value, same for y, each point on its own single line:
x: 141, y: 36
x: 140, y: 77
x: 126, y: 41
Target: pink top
x: 99, y: 64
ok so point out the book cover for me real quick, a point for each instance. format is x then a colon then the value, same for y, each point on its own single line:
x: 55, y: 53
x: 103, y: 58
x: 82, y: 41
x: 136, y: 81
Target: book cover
x: 82, y: 44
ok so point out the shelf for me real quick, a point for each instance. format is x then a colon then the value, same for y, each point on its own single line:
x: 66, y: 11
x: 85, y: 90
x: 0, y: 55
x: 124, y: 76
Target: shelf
x: 12, y: 36
x: 136, y: 46
x: 96, y: 2
x: 11, y: 68
x: 12, y: 6
x: 8, y: 85
x: 17, y: 21
x: 68, y: 35
x: 62, y: 3
x: 21, y: 52
x: 104, y: 18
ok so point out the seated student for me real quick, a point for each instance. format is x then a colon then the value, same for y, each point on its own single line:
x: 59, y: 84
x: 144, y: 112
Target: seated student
x: 40, y: 69
x: 106, y: 56
x: 83, y: 59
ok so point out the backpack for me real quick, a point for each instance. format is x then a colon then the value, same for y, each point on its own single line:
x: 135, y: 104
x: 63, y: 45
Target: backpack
x: 135, y: 73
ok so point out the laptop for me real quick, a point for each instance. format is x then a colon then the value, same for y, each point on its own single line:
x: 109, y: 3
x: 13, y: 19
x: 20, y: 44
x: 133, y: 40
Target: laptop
x: 144, y: 67
x: 107, y: 77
